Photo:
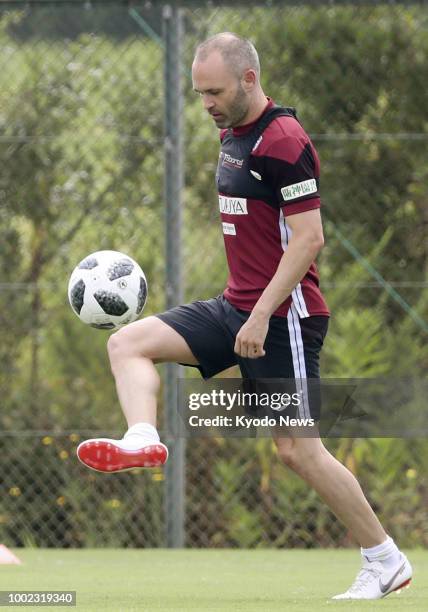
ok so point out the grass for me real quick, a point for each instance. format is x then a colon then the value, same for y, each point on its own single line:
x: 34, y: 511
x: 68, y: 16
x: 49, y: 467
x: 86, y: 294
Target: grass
x: 227, y: 580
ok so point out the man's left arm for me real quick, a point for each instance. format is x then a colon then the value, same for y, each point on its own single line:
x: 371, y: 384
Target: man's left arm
x: 304, y: 245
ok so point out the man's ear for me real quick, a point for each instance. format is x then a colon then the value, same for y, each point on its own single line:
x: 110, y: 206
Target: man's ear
x: 249, y: 79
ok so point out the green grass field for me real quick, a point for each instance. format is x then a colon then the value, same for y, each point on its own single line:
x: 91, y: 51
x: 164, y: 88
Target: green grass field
x: 263, y: 580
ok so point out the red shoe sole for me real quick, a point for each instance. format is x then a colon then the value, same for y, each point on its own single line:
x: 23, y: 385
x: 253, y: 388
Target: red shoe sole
x: 107, y: 457
x: 405, y: 585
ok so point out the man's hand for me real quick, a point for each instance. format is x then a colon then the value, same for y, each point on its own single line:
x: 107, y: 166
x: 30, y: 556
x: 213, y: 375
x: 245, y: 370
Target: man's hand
x: 251, y: 337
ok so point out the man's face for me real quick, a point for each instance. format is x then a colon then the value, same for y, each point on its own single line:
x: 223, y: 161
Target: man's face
x: 221, y: 91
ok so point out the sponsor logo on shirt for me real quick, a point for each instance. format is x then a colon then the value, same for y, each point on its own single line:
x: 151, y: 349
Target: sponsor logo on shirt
x: 233, y: 206
x: 229, y: 228
x: 231, y: 161
x: 290, y: 192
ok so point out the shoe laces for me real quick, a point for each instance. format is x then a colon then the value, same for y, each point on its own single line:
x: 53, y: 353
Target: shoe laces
x: 365, y: 576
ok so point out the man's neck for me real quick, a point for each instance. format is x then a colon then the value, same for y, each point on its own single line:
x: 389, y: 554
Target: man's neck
x: 255, y: 111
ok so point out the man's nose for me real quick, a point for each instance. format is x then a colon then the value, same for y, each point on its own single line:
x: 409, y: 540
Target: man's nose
x: 208, y: 102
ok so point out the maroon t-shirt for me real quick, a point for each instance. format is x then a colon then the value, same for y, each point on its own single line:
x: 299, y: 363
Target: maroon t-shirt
x: 267, y: 170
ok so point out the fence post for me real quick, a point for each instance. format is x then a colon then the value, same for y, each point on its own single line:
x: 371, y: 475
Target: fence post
x: 173, y: 98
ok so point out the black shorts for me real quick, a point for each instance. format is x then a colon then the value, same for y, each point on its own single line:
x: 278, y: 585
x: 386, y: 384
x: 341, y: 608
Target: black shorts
x: 209, y: 327
x: 292, y: 348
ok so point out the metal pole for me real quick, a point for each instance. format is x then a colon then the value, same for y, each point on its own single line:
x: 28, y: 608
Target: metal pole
x: 174, y: 472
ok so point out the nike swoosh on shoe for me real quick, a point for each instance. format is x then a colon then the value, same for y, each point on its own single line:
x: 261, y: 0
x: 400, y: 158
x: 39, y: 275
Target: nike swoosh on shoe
x: 384, y: 587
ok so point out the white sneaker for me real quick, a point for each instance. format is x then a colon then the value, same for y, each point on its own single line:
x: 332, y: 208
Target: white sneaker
x: 374, y: 581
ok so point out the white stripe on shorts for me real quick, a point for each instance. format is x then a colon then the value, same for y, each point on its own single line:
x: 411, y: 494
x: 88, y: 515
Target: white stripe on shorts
x: 299, y: 366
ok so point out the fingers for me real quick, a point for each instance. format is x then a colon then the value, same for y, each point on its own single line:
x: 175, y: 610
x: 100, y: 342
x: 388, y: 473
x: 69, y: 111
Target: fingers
x: 256, y: 352
x: 249, y: 351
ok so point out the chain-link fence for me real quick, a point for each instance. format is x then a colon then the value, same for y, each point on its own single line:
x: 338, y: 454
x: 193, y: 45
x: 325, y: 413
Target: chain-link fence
x: 238, y: 494
x: 81, y: 145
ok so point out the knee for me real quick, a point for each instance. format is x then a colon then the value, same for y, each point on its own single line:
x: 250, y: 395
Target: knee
x: 300, y: 454
x: 119, y: 347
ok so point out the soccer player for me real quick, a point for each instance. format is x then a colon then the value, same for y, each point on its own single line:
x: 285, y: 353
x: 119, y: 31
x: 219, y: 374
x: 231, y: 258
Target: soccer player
x: 271, y: 319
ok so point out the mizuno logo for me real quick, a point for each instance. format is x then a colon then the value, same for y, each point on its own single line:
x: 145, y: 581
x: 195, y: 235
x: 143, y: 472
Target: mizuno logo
x: 385, y: 587
x: 256, y: 175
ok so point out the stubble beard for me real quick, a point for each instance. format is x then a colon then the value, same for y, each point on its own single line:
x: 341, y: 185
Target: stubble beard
x: 237, y: 110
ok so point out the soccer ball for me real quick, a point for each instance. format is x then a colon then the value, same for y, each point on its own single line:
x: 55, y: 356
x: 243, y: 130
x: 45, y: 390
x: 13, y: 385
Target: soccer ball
x: 107, y: 289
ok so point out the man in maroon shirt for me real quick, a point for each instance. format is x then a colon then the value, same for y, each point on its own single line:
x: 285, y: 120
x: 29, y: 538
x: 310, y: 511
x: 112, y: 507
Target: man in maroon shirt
x: 271, y: 319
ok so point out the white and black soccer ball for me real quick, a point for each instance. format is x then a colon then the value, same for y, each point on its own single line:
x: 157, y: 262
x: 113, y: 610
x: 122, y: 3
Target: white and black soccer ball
x: 107, y: 289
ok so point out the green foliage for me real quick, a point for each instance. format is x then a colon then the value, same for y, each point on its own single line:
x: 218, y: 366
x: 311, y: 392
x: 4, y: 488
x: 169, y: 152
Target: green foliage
x: 392, y: 473
x: 112, y: 21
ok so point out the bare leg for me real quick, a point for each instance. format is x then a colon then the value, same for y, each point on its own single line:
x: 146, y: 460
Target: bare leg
x: 133, y: 351
x: 338, y: 487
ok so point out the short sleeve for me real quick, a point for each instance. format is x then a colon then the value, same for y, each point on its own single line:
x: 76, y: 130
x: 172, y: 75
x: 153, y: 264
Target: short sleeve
x: 292, y: 167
